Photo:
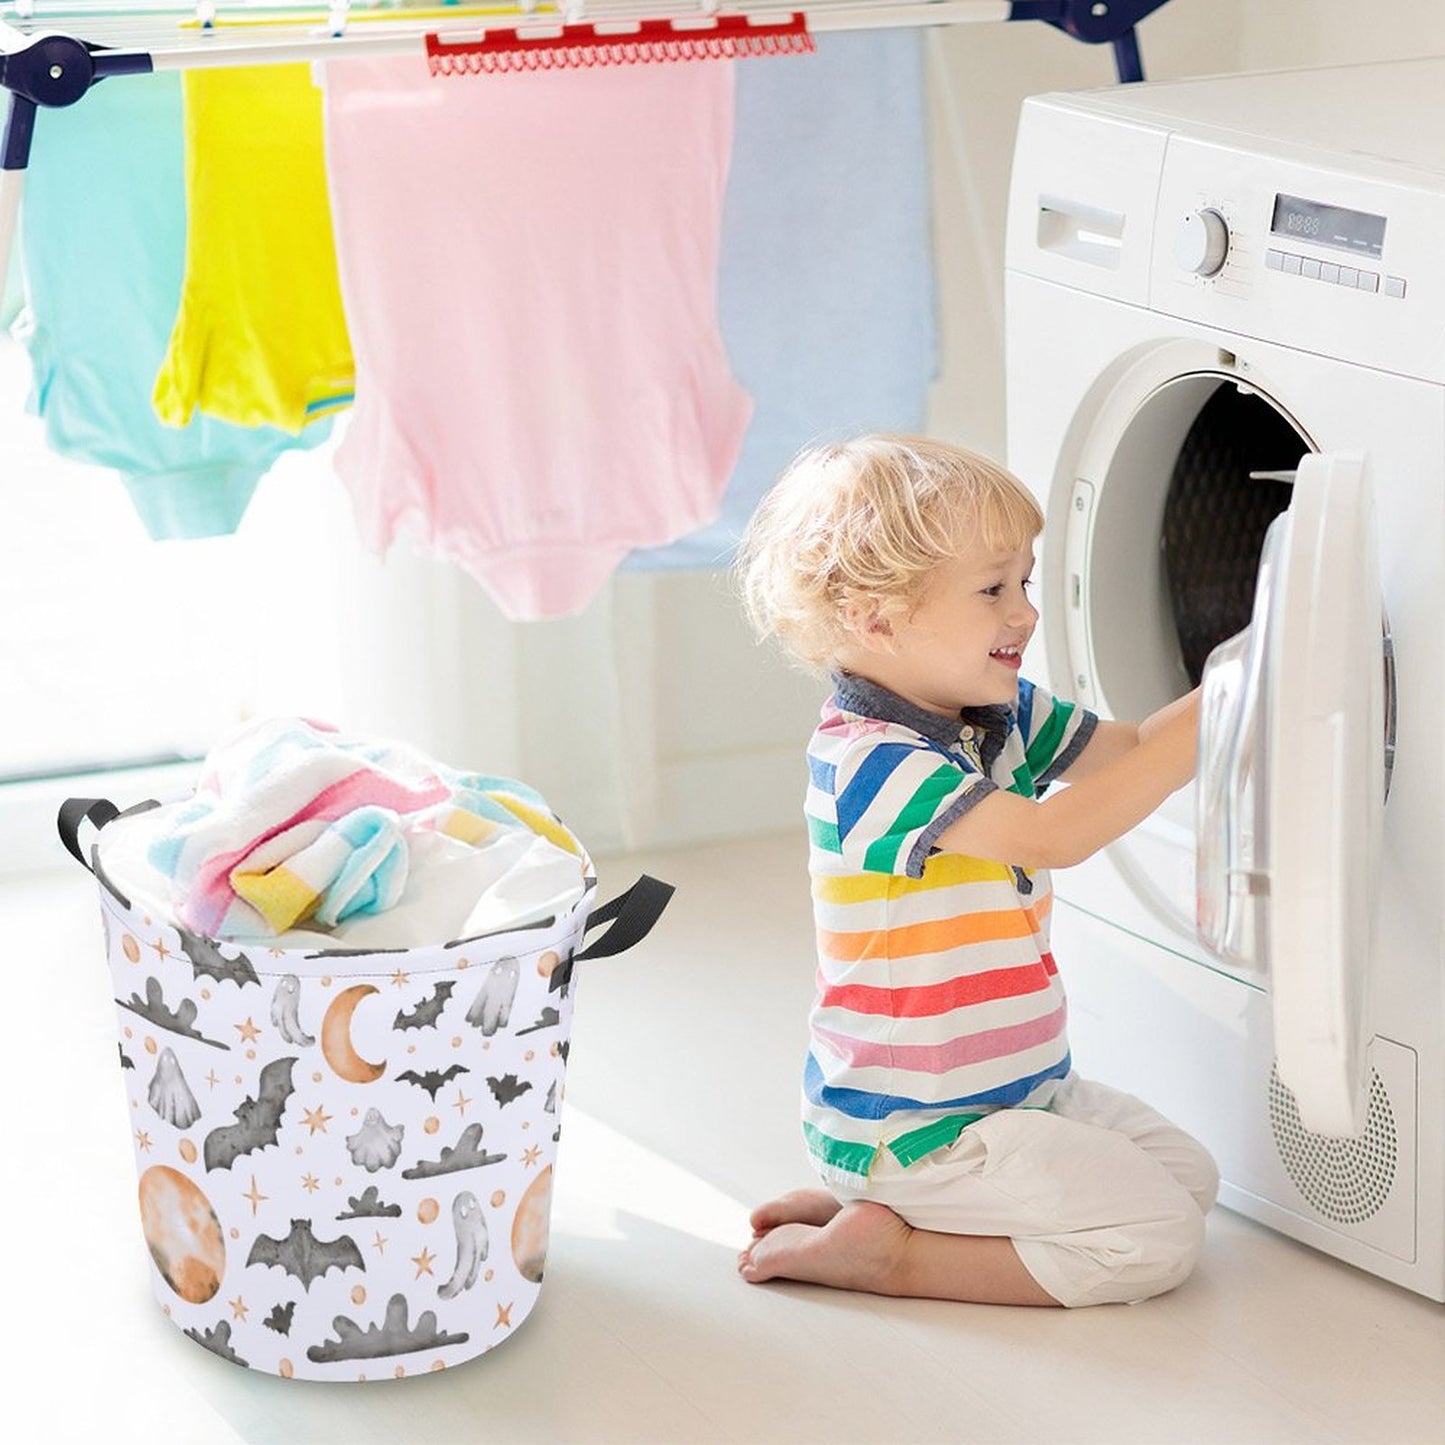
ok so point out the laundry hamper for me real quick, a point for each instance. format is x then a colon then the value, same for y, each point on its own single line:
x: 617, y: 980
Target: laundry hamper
x: 345, y: 1158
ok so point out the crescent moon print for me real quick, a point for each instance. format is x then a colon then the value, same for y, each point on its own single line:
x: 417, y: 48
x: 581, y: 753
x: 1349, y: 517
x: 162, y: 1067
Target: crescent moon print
x: 336, y: 1042
x: 286, y: 1012
x: 471, y: 1229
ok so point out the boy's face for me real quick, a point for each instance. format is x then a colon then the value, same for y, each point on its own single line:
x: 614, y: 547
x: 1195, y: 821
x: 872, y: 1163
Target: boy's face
x: 962, y: 645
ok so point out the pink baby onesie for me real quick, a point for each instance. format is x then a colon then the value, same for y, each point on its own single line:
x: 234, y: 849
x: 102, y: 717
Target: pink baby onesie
x: 529, y: 267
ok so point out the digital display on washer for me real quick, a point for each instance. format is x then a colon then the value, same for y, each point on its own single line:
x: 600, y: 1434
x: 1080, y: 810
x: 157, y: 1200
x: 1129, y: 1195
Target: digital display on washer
x: 1355, y: 231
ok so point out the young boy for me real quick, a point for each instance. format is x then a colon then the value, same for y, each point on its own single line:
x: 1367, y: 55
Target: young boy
x: 963, y: 1157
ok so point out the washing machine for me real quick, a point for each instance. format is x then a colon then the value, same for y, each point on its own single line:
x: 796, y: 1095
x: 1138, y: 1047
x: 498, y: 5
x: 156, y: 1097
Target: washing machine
x: 1226, y: 386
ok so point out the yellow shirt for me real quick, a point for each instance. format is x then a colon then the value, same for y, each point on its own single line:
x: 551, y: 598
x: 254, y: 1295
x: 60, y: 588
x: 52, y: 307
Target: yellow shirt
x: 260, y: 338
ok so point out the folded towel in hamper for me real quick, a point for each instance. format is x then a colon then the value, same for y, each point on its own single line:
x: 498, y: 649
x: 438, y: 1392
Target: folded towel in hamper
x: 293, y: 822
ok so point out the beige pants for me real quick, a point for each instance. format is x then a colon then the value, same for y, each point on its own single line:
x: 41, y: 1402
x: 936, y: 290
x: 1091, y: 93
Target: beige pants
x: 1103, y: 1197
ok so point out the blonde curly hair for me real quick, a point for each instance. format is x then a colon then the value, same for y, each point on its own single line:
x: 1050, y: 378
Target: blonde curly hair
x: 855, y: 528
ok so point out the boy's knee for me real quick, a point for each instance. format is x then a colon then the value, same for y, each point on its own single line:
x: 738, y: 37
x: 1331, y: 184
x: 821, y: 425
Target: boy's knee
x: 1180, y: 1248
x: 1161, y: 1254
x: 1203, y: 1181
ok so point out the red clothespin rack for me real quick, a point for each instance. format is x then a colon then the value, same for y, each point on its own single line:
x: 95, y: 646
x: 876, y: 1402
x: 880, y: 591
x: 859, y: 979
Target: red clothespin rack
x: 728, y: 37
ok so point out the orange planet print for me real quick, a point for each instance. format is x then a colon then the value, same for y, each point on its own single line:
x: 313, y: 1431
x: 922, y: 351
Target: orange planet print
x: 427, y: 1211
x: 531, y: 1226
x: 130, y: 948
x: 183, y: 1233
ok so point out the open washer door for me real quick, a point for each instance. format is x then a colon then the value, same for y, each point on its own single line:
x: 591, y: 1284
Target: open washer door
x: 1291, y: 786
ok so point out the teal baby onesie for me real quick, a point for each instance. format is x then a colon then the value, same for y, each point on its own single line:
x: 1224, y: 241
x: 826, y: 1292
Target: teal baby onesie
x: 102, y: 237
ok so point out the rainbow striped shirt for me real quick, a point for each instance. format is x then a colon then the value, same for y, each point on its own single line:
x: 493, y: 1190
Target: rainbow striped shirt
x: 938, y: 1000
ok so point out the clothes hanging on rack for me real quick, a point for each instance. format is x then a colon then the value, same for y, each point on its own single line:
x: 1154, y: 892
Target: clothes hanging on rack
x: 102, y: 288
x: 260, y: 338
x: 826, y: 288
x: 529, y: 266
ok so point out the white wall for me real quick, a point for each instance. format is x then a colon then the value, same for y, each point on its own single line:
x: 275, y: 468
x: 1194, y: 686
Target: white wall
x: 654, y: 718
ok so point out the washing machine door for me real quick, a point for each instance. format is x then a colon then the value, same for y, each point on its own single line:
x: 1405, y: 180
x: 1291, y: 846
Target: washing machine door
x: 1291, y: 786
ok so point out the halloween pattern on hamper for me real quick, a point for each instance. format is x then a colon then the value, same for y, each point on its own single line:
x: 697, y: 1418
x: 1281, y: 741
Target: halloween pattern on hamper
x: 347, y: 1169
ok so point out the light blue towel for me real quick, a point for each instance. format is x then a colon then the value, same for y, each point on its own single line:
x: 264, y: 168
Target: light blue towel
x: 11, y: 294
x: 102, y: 240
x: 826, y: 285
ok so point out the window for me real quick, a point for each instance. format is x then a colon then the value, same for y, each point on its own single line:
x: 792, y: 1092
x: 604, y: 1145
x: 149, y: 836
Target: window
x: 116, y: 650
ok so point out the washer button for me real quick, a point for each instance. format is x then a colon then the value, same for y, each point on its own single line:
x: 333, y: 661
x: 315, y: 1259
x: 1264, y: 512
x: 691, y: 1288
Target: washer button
x: 1310, y: 267
x: 1394, y: 285
x: 1369, y: 281
x: 1349, y: 276
x: 1274, y: 260
x: 1291, y: 264
x: 1330, y: 272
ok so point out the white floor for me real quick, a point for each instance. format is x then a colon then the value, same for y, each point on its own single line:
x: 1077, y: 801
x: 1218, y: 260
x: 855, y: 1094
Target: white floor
x: 680, y: 1114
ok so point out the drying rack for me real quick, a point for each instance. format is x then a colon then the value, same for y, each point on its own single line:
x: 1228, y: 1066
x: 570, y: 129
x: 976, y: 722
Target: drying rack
x: 51, y: 54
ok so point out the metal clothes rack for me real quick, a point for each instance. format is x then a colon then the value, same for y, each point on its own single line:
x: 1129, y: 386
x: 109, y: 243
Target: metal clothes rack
x: 50, y: 55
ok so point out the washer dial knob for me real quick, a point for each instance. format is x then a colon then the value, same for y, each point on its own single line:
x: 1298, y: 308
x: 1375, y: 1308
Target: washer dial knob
x: 1201, y: 242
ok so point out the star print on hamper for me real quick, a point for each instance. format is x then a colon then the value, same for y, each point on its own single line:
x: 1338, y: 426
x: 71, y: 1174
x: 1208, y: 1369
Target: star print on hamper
x: 316, y: 1118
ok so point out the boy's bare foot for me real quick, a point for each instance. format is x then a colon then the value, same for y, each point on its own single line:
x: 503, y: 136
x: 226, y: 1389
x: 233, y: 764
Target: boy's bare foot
x: 797, y: 1206
x: 808, y: 1236
x: 859, y: 1246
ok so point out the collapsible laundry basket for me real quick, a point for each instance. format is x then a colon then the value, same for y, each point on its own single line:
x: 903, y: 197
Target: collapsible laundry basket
x: 346, y: 1157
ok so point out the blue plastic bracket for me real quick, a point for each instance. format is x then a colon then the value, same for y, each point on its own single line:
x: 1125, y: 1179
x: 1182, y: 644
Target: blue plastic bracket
x: 54, y: 70
x: 1096, y: 22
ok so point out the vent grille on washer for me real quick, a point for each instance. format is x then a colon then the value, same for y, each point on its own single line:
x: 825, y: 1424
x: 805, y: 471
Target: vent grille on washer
x: 1346, y: 1180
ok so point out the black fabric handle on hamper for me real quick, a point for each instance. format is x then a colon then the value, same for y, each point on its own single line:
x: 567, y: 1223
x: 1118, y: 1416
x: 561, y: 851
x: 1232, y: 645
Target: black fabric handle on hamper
x: 99, y: 811
x: 74, y: 812
x: 632, y: 915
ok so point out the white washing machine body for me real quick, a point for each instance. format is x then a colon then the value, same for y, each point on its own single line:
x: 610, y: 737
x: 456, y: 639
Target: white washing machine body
x: 1226, y: 385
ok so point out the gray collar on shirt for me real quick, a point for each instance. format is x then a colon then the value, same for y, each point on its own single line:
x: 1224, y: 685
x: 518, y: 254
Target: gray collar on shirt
x: 868, y: 699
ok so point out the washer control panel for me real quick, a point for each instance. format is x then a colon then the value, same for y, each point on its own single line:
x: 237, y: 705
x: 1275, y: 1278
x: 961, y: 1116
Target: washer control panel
x: 1313, y: 269
x: 1201, y: 241
x: 1244, y: 240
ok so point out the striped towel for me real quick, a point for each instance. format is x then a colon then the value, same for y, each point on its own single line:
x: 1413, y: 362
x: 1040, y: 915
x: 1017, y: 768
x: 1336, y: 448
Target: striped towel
x: 293, y: 822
